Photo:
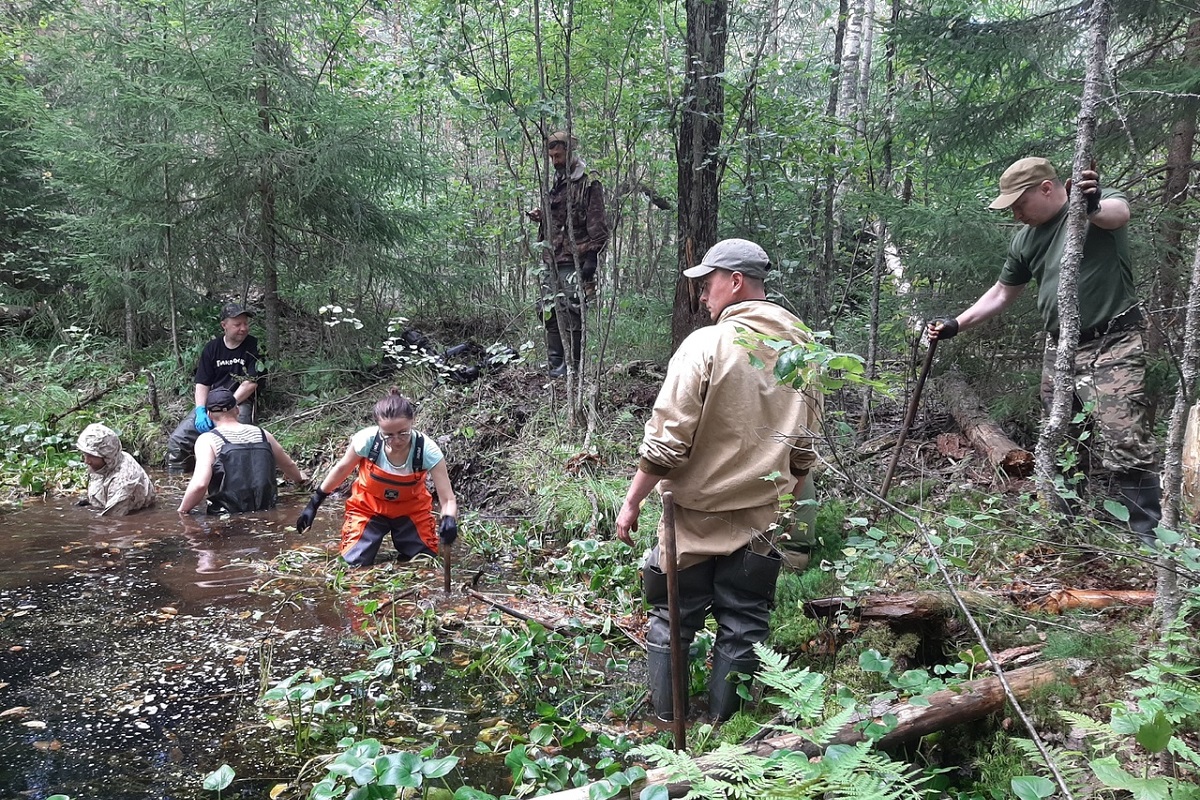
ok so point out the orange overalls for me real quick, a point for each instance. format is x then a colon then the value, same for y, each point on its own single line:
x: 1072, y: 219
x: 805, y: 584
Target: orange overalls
x: 383, y: 503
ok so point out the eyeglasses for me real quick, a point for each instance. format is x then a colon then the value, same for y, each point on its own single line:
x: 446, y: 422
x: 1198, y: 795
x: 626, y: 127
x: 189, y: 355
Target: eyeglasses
x: 395, y: 435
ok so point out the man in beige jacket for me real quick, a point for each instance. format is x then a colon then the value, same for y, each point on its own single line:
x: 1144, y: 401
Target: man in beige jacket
x: 728, y: 441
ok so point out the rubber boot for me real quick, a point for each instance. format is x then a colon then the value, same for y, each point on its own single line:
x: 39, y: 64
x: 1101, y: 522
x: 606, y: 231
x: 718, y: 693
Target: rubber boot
x: 555, y: 355
x: 723, y: 699
x: 1142, y: 494
x: 658, y: 663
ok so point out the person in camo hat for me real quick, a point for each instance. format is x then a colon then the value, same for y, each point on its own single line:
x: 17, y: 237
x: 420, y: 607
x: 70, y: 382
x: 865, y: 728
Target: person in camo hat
x: 1110, y: 361
x: 117, y: 484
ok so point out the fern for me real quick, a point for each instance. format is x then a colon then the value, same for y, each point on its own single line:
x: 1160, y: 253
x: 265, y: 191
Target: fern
x: 732, y: 772
x: 1072, y: 764
x: 803, y: 691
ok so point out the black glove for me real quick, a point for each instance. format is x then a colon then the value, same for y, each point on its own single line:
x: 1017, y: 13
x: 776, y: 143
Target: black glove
x: 305, y: 520
x: 448, y: 530
x: 949, y: 327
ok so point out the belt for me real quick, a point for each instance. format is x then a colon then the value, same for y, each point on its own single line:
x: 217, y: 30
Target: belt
x: 1125, y: 321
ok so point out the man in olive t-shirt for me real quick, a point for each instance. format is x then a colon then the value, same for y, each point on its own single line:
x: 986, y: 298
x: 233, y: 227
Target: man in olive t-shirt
x: 1110, y: 363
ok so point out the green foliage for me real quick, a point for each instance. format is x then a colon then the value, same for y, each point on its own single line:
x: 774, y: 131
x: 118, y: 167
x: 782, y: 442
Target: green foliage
x: 317, y: 708
x: 219, y: 779
x: 366, y: 769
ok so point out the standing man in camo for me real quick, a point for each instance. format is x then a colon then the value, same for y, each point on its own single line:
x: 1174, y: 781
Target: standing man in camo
x: 1110, y: 362
x: 573, y: 242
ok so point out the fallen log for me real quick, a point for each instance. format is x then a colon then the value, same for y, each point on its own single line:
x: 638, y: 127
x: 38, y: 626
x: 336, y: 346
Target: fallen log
x: 14, y: 314
x: 936, y: 605
x: 966, y: 702
x: 985, y: 435
x: 1070, y: 599
x: 910, y: 605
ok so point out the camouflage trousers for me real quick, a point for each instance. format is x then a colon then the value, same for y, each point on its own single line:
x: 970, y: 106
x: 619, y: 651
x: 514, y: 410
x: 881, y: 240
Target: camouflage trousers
x: 1110, y: 382
x: 566, y: 302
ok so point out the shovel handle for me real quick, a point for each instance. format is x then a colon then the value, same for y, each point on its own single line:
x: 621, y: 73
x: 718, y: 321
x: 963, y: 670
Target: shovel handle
x: 447, y: 552
x: 670, y: 565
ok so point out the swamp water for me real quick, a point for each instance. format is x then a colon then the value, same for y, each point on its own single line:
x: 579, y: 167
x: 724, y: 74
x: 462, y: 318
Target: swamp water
x: 131, y: 653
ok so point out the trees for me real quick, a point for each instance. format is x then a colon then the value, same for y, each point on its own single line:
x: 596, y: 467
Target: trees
x: 205, y: 152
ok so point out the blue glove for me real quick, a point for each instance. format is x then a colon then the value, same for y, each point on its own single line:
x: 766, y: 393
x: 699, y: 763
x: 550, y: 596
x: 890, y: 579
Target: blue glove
x: 203, y: 422
x: 448, y: 530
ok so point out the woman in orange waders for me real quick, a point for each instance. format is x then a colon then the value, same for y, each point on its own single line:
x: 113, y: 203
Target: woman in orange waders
x: 389, y: 496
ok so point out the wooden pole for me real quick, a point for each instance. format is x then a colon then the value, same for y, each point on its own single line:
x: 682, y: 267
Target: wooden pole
x: 908, y: 418
x: 670, y: 565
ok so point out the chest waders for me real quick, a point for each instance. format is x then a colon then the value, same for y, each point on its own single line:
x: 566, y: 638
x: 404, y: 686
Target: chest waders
x: 385, y: 504
x: 244, y: 476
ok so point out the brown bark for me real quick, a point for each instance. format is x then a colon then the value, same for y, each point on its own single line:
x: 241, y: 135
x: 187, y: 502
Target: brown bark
x: 936, y: 605
x: 1069, y: 599
x: 701, y: 117
x: 985, y: 435
x: 13, y: 314
x: 1169, y: 276
x: 910, y: 605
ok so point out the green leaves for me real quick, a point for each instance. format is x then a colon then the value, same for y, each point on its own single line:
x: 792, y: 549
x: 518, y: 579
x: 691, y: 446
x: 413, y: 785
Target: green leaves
x: 219, y: 779
x: 1031, y: 787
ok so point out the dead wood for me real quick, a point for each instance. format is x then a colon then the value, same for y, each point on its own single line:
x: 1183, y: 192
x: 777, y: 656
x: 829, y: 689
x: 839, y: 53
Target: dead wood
x: 937, y: 605
x: 985, y: 435
x: 1070, y: 599
x: 910, y: 605
x: 95, y: 395
x: 1190, y: 466
x: 10, y: 315
x: 966, y: 702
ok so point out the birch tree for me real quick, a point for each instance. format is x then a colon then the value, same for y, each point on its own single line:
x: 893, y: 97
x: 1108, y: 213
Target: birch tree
x: 1055, y: 427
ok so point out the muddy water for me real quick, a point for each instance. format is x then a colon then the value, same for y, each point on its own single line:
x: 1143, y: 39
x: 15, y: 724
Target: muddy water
x: 130, y: 649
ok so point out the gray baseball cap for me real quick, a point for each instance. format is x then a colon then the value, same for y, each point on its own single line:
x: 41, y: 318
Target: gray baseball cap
x: 734, y: 255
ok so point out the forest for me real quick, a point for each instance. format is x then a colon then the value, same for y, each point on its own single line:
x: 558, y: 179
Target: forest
x: 361, y: 174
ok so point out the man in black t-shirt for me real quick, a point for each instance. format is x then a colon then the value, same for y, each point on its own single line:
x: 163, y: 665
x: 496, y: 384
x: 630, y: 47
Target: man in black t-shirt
x: 229, y: 361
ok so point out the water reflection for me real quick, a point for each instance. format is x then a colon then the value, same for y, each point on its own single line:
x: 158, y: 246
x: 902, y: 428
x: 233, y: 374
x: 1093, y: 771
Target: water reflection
x: 131, y: 647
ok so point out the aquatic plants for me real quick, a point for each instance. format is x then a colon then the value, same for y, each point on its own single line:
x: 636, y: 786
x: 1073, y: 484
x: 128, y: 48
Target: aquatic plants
x: 365, y: 763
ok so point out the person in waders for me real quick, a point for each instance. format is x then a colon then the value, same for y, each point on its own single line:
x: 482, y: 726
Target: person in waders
x: 728, y: 441
x: 389, y: 497
x: 235, y: 463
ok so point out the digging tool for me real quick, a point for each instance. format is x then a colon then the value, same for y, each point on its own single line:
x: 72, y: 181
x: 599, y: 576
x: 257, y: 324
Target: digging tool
x: 447, y: 552
x: 670, y: 565
x: 908, y: 418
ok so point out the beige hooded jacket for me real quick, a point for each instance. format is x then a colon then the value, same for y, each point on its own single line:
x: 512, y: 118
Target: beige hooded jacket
x: 122, y: 486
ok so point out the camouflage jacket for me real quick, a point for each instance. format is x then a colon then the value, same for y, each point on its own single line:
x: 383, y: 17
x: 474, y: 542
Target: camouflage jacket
x: 582, y: 197
x: 121, y: 486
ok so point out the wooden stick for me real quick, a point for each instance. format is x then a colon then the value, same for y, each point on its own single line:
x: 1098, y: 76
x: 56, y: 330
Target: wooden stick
x: 670, y: 563
x: 908, y: 418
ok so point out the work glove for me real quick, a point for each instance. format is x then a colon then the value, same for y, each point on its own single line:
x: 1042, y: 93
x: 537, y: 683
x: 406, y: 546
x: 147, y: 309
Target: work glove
x: 949, y: 327
x: 204, y: 423
x: 305, y: 520
x: 1091, y: 199
x: 448, y: 530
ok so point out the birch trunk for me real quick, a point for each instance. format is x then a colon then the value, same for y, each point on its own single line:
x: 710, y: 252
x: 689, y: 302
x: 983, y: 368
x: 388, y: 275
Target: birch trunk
x: 1168, y: 583
x: 1054, y: 429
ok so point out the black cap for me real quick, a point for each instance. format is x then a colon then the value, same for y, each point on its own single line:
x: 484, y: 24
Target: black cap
x: 230, y: 310
x: 220, y: 400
